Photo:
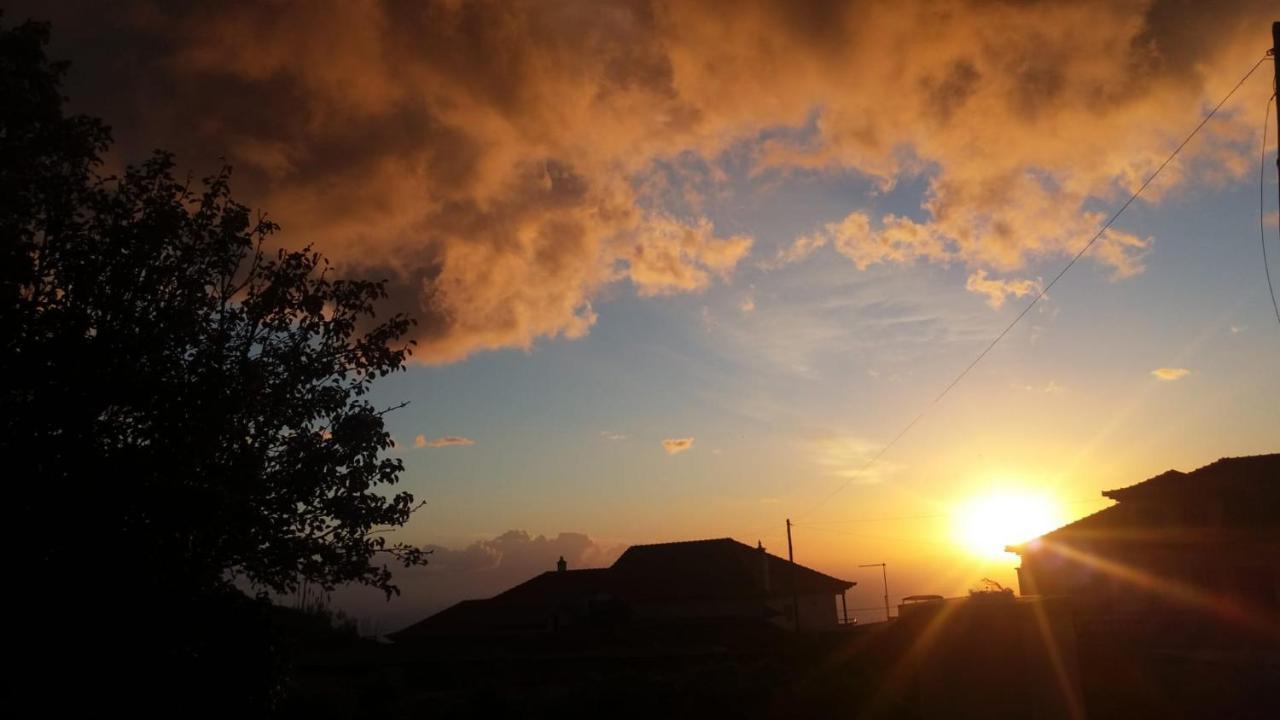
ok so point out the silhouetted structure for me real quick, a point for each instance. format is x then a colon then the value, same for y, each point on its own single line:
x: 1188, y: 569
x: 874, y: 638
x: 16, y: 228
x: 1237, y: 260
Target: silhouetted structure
x: 697, y: 581
x: 1175, y: 549
x: 990, y: 655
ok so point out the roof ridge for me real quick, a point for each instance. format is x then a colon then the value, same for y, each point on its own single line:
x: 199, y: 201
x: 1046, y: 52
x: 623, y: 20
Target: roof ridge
x: 687, y: 542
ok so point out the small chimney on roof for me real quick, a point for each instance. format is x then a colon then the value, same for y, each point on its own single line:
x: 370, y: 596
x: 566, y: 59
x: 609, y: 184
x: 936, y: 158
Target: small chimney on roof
x: 561, y: 565
x: 764, y: 568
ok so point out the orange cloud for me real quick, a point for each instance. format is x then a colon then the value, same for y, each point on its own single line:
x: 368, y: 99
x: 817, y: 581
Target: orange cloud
x: 674, y: 446
x: 491, y: 158
x: 1170, y: 374
x: 996, y: 290
x: 448, y: 441
x: 420, y: 441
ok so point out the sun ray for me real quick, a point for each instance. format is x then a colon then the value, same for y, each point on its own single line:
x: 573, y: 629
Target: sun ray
x: 1182, y: 593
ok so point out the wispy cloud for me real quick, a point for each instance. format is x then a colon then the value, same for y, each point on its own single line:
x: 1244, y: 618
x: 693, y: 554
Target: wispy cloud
x: 447, y: 441
x: 997, y: 289
x: 1170, y: 374
x: 799, y: 249
x: 847, y: 456
x: 674, y: 446
x: 1050, y: 388
x: 613, y: 435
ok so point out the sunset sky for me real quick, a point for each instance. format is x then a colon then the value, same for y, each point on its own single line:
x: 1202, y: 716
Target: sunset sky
x: 681, y: 272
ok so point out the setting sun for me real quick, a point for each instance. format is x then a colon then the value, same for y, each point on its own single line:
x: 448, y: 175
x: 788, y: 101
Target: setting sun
x: 985, y: 525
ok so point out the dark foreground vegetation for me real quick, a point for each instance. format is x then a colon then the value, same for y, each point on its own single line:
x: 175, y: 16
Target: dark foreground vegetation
x: 874, y: 671
x: 185, y: 418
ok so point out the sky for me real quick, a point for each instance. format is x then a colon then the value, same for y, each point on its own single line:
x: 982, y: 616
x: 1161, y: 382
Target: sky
x: 681, y: 273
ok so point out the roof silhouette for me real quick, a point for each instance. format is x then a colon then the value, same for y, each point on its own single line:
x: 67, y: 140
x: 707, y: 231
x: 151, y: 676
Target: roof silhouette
x: 1248, y: 487
x: 696, y: 570
x: 1224, y: 476
x: 715, y: 568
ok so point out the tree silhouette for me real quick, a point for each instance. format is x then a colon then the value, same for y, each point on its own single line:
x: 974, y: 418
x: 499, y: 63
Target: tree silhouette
x: 184, y: 407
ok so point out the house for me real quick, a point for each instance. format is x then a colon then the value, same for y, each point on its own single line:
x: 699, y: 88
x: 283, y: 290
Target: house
x: 1204, y: 544
x: 699, y: 581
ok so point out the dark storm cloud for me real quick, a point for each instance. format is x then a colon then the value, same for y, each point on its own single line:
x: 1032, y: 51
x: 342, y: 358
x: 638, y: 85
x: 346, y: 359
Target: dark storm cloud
x: 488, y: 158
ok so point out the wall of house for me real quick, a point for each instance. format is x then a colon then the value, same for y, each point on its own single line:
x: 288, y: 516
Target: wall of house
x: 695, y: 609
x: 1203, y: 577
x: 817, y: 612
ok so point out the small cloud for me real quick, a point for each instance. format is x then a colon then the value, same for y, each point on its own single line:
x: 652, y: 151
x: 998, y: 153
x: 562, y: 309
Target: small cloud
x: 420, y: 441
x: 677, y: 445
x: 1123, y: 252
x: 448, y: 440
x: 708, y: 320
x: 801, y: 248
x: 748, y: 304
x: 996, y: 290
x: 1237, y: 329
x: 1051, y: 388
x: 1170, y: 374
x: 850, y: 458
x: 612, y: 435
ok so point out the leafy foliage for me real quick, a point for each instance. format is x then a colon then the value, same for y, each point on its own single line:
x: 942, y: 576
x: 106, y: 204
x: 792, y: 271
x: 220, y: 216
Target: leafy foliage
x: 183, y: 400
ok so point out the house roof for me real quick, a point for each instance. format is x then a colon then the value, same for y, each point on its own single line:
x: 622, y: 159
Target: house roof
x: 696, y: 570
x: 720, y: 567
x: 552, y: 586
x: 1249, y: 486
x: 1228, y: 476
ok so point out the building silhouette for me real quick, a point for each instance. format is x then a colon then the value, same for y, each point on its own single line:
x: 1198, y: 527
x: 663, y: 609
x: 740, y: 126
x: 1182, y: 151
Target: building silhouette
x: 692, y: 582
x: 1178, y: 550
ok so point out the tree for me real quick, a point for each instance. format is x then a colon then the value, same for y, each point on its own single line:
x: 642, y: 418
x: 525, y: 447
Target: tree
x: 184, y: 408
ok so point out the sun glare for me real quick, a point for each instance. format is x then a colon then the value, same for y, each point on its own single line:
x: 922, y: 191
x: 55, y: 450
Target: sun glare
x: 985, y: 525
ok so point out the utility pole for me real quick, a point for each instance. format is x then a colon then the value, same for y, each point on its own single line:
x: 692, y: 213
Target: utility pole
x: 885, y: 575
x: 795, y: 599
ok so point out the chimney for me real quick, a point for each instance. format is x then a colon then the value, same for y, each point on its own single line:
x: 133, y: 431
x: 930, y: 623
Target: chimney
x: 561, y: 565
x: 764, y: 568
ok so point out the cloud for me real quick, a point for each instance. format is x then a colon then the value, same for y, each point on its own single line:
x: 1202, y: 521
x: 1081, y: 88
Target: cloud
x: 1237, y: 329
x: 848, y: 457
x: 477, y: 570
x: 420, y: 441
x: 1050, y: 388
x: 677, y: 445
x: 799, y: 249
x: 497, y: 162
x: 996, y: 290
x: 1122, y: 252
x: 447, y: 441
x: 1170, y: 374
x: 669, y: 256
x: 612, y: 435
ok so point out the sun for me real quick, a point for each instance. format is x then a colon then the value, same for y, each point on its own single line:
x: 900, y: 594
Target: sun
x: 986, y: 524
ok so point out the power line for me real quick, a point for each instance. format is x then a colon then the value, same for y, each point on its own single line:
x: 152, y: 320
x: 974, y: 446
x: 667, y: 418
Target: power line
x: 1043, y: 291
x: 854, y: 521
x: 1262, y: 233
